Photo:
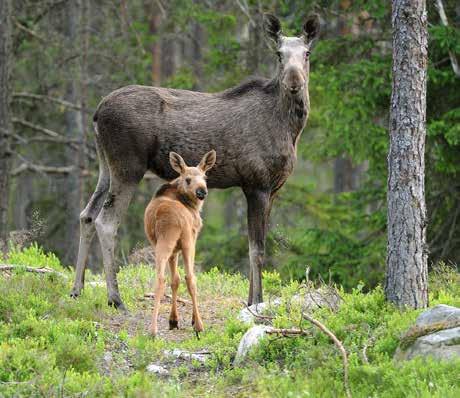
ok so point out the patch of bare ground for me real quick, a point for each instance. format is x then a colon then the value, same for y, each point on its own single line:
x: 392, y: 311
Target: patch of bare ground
x: 137, y: 320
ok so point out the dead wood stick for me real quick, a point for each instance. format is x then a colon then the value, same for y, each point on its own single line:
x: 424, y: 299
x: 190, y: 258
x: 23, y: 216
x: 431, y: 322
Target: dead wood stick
x: 288, y: 332
x: 37, y: 270
x: 180, y: 300
x: 256, y: 314
x: 339, y: 345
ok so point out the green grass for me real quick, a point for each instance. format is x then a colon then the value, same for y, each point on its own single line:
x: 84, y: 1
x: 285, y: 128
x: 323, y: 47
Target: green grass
x: 52, y: 345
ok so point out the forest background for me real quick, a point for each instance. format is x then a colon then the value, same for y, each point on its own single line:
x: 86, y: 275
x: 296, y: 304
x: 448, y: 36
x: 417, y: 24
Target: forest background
x: 331, y: 214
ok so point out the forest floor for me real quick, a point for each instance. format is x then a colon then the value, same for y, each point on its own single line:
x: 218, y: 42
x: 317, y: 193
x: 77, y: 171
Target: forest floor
x: 52, y: 345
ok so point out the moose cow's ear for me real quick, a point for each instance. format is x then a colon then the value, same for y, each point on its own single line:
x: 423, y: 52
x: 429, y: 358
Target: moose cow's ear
x: 272, y: 27
x: 310, y: 29
x: 208, y: 161
x: 177, y: 163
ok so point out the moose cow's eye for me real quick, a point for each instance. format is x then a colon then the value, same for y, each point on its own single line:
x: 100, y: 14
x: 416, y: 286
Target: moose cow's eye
x: 307, y: 54
x: 188, y: 181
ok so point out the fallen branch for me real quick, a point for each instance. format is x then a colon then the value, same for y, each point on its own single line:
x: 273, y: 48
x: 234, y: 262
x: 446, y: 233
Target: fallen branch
x: 339, y: 345
x: 288, y: 332
x: 256, y: 314
x: 36, y: 270
x: 183, y: 301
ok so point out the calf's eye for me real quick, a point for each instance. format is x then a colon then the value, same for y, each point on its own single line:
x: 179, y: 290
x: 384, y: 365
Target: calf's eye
x: 307, y: 54
x: 188, y: 181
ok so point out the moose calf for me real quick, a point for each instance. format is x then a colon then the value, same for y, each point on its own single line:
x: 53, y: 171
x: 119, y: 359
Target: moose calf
x: 172, y: 222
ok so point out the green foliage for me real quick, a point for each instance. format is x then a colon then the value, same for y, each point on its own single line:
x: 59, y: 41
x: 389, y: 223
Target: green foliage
x: 33, y: 255
x: 52, y: 345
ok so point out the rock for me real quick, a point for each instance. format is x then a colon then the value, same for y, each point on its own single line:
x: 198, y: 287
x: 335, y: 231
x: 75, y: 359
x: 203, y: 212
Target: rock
x: 311, y: 300
x: 179, y: 354
x: 436, y: 334
x: 440, y: 313
x: 247, y: 317
x: 157, y: 369
x: 250, y: 339
x: 324, y: 297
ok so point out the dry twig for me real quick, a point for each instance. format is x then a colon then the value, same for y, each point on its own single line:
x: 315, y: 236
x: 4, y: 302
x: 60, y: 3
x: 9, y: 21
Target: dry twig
x: 257, y: 315
x: 180, y: 300
x: 339, y: 345
x: 37, y: 270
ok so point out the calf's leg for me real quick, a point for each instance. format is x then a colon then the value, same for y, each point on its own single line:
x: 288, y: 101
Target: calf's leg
x: 175, y: 282
x: 188, y: 253
x: 163, y: 251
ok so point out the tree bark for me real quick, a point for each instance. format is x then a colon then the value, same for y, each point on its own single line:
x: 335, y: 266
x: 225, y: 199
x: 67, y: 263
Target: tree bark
x: 72, y: 184
x: 5, y: 116
x: 406, y: 277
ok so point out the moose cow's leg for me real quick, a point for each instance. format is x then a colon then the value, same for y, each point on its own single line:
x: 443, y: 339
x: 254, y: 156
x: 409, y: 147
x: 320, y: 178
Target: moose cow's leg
x: 175, y: 282
x: 87, y: 228
x: 258, y: 214
x: 107, y: 223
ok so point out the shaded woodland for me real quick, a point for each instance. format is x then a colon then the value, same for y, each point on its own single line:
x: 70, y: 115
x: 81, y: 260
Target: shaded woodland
x: 330, y: 216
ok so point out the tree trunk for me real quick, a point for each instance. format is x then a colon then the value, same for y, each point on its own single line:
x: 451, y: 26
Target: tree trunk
x: 406, y: 278
x: 72, y: 184
x: 155, y: 50
x: 5, y: 117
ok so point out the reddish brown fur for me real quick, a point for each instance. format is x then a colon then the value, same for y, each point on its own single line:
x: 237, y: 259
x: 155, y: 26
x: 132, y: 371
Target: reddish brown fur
x: 172, y: 223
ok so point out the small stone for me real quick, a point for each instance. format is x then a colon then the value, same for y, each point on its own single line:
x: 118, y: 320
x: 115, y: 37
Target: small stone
x: 157, y: 369
x: 197, y: 356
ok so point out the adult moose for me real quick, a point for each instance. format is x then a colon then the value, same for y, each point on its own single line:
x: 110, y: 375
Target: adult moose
x: 254, y: 128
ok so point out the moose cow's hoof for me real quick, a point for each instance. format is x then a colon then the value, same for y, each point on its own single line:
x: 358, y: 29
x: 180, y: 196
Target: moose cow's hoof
x: 173, y: 324
x: 118, y: 304
x: 75, y: 292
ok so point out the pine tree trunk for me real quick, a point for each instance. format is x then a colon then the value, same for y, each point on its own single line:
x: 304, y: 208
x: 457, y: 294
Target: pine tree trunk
x: 74, y: 130
x: 406, y: 278
x: 5, y: 117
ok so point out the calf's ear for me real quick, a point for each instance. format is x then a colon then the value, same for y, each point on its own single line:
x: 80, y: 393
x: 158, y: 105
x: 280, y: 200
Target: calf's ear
x: 177, y: 163
x: 208, y: 161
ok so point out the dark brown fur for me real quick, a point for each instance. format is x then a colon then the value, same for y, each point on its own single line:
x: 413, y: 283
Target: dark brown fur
x: 253, y: 127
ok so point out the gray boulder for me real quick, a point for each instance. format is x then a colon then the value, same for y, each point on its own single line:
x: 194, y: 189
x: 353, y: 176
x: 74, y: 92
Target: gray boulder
x: 436, y: 334
x: 250, y: 339
x: 324, y: 297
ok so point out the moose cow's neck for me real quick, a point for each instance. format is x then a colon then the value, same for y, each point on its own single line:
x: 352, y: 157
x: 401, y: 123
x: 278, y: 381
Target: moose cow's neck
x: 294, y: 108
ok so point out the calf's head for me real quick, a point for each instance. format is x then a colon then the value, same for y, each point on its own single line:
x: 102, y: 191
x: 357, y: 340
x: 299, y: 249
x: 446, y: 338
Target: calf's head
x: 192, y: 180
x: 293, y: 53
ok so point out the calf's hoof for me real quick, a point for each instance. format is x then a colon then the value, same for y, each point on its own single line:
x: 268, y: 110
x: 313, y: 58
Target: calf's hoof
x: 173, y: 324
x: 198, y: 326
x: 152, y: 331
